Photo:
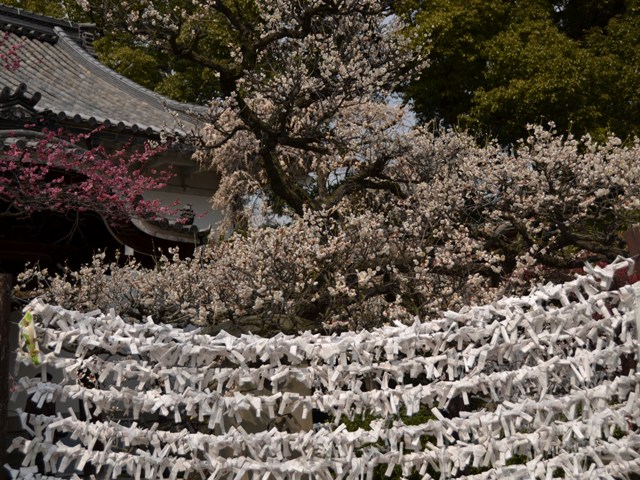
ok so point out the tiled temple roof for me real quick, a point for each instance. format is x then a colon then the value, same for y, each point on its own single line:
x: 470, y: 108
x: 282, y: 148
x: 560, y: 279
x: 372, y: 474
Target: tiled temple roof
x: 56, y: 62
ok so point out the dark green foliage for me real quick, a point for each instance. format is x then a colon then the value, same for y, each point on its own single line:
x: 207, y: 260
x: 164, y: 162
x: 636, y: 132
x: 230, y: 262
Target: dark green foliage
x: 498, y: 65
x: 168, y: 75
x: 577, y: 18
x: 65, y: 9
x: 362, y: 421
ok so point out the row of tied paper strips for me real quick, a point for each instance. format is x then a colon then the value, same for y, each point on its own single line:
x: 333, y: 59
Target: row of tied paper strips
x: 531, y: 387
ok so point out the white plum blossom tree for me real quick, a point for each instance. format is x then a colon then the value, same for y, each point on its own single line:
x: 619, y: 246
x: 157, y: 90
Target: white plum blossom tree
x: 386, y: 220
x: 473, y: 223
x: 303, y: 116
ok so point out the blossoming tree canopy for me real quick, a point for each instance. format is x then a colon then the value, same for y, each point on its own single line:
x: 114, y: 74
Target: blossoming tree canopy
x: 48, y: 171
x: 303, y: 114
x: 476, y: 223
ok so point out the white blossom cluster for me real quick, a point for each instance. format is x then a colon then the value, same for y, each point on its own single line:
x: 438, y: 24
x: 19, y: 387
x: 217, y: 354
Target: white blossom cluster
x: 549, y: 379
x: 311, y: 105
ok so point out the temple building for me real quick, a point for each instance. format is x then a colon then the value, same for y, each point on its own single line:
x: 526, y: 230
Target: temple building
x: 60, y: 83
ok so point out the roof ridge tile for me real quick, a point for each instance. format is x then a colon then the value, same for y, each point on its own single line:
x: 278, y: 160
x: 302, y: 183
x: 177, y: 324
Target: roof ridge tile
x: 40, y: 27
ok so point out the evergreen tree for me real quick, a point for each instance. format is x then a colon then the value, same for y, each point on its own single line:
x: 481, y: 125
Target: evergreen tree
x: 497, y: 66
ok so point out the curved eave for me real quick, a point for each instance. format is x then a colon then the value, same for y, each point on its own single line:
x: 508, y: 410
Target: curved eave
x: 120, y: 126
x: 158, y: 231
x: 150, y: 241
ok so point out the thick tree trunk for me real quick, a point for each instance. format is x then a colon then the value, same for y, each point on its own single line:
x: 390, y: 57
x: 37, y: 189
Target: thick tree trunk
x: 5, y: 310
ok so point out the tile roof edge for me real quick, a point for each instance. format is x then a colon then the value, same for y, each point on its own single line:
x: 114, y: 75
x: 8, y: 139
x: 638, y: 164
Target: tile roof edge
x: 38, y: 26
x: 114, y: 124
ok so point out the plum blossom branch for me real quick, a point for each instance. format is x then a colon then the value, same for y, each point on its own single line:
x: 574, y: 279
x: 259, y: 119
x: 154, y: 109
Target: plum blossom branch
x: 49, y: 171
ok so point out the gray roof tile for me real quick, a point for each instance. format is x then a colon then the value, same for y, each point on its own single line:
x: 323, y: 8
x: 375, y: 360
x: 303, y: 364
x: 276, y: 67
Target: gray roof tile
x: 74, y: 85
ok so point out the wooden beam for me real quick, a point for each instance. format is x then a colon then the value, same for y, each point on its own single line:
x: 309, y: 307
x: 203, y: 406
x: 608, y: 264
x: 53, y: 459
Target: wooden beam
x: 5, y: 311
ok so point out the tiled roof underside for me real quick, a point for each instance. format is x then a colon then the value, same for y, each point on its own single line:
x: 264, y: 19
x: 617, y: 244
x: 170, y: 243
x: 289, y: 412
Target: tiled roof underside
x: 75, y: 85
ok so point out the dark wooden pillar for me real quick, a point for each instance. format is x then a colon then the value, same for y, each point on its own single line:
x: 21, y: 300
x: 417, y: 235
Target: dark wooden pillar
x: 5, y: 311
x: 632, y: 236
